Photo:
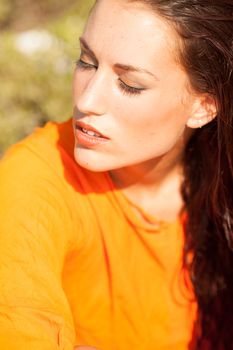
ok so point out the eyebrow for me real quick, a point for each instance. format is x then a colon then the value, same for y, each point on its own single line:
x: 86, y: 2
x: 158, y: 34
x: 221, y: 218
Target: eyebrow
x: 126, y: 67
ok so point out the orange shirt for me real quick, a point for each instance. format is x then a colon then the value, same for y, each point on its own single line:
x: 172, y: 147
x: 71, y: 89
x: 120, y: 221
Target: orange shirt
x: 77, y: 265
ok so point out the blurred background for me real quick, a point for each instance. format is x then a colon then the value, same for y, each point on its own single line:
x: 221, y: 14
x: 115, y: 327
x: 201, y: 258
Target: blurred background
x: 38, y: 50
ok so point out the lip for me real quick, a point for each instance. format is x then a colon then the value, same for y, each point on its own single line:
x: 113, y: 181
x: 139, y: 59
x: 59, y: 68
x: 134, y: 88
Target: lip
x: 79, y: 124
x: 87, y: 140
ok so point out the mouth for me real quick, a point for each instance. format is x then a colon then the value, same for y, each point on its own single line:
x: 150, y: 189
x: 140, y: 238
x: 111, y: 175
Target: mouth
x: 88, y: 136
x: 89, y: 130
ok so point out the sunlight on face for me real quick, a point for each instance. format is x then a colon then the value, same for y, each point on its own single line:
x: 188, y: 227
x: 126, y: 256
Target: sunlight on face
x: 143, y: 113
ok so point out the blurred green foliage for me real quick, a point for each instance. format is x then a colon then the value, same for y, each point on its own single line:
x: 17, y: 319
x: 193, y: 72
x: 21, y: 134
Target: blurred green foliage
x: 37, y: 59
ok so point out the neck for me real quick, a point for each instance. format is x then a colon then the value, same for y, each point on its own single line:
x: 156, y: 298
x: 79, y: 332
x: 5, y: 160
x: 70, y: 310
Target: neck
x: 149, y: 174
x: 155, y: 184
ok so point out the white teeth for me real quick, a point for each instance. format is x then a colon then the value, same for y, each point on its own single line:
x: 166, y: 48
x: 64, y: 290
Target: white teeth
x: 91, y: 133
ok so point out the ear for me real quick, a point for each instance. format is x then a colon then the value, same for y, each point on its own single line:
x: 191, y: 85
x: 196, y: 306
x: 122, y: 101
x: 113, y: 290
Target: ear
x: 204, y: 111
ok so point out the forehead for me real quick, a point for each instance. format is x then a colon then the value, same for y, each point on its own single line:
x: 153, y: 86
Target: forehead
x: 118, y: 29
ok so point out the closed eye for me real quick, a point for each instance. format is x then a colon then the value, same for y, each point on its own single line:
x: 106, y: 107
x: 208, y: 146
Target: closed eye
x: 126, y: 89
x: 80, y: 63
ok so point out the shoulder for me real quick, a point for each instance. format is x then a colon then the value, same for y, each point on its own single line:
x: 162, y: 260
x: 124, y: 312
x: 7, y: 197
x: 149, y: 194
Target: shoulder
x: 44, y: 156
x: 34, y: 188
x: 41, y: 180
x: 44, y: 145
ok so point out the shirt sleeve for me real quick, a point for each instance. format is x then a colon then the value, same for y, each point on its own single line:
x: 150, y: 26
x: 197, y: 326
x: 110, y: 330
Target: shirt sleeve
x: 34, y: 226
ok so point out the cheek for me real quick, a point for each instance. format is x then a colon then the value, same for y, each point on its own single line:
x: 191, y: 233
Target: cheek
x: 80, y: 82
x: 134, y: 112
x: 76, y: 84
x: 153, y: 124
x: 74, y: 87
x: 140, y: 115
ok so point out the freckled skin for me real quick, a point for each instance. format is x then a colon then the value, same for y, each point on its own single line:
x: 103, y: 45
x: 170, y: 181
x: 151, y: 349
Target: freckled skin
x: 141, y: 127
x: 147, y: 131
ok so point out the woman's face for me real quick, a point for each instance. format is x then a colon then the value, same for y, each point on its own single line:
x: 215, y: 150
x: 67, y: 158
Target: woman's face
x: 142, y: 113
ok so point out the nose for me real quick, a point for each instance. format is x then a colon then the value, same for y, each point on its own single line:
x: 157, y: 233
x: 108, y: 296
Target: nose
x: 91, y: 95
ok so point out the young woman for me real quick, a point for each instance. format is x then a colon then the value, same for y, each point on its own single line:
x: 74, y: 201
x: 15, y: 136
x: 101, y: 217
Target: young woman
x: 117, y: 226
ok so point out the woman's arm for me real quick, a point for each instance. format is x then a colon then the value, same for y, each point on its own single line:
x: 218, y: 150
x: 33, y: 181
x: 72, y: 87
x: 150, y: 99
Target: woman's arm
x: 34, y: 312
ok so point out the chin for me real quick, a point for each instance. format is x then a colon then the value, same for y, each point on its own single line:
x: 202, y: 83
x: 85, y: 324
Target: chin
x: 88, y: 163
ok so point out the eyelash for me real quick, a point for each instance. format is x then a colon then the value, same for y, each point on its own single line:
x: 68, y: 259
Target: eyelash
x: 126, y: 89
